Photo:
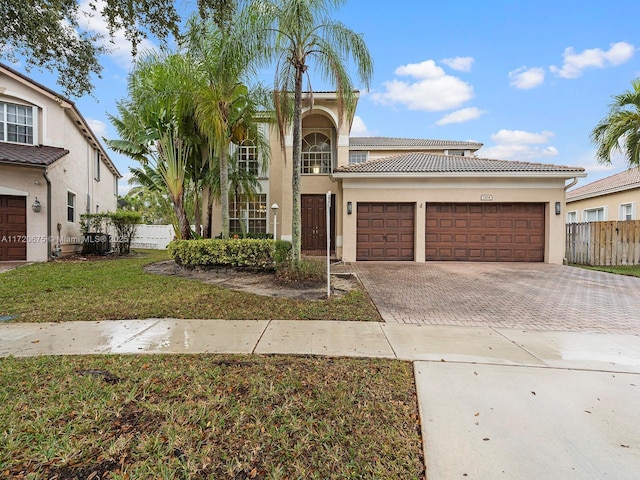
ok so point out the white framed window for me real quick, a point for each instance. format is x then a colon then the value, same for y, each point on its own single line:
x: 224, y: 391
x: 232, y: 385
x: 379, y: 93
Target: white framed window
x: 572, y: 217
x: 358, y: 157
x: 248, y: 159
x: 97, y: 161
x: 627, y: 211
x: 71, y: 207
x: 595, y: 214
x: 16, y: 123
x: 251, y: 211
x: 455, y: 153
x: 317, y: 158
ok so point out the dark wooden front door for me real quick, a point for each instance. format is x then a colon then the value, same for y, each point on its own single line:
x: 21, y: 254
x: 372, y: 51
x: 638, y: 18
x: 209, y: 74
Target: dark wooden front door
x: 314, y: 224
x: 13, y: 228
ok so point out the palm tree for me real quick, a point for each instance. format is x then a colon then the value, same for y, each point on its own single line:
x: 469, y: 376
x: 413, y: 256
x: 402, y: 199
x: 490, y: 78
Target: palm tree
x: 300, y: 34
x: 620, y: 129
x: 153, y: 128
x: 225, y: 107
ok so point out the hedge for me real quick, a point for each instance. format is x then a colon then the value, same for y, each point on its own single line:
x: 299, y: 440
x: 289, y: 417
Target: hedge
x: 254, y: 253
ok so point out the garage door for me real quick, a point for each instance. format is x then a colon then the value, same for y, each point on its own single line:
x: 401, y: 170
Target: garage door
x: 385, y: 231
x: 485, y: 232
x: 13, y: 228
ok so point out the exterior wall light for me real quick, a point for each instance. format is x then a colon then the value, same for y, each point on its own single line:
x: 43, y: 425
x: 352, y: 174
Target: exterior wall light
x: 349, y: 208
x: 558, y: 208
x: 36, y: 207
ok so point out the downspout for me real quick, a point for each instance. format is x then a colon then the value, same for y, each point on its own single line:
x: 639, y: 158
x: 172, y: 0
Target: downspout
x: 567, y: 187
x: 49, y: 252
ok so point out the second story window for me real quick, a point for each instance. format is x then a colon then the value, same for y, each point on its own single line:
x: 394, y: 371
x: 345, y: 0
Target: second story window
x: 98, y: 161
x: 316, y: 154
x: 248, y: 159
x: 358, y: 157
x: 16, y: 123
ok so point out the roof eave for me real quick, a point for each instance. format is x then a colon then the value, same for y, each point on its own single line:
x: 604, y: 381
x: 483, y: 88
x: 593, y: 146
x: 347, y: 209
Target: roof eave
x: 602, y: 193
x: 364, y: 175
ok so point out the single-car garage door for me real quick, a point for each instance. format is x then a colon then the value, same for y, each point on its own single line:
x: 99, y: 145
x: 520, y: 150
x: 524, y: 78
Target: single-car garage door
x: 485, y: 232
x: 385, y: 231
x: 13, y: 228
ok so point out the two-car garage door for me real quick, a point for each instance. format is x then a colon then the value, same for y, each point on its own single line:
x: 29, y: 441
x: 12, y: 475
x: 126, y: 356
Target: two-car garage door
x: 483, y: 232
x: 13, y: 228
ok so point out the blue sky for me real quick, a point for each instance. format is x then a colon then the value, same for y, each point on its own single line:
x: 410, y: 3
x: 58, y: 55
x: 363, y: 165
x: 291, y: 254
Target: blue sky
x: 528, y: 79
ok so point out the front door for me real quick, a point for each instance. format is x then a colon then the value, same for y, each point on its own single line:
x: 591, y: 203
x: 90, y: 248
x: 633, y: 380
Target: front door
x: 314, y: 224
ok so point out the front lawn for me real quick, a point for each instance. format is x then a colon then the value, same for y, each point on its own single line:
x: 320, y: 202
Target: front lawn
x: 120, y: 289
x: 631, y: 270
x: 201, y: 417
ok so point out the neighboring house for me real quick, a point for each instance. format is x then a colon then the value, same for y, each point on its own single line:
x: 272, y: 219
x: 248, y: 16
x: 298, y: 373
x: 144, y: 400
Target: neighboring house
x: 52, y: 169
x: 611, y: 198
x: 409, y: 200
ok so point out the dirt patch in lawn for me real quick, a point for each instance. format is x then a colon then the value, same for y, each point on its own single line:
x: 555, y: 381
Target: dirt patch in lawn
x: 259, y: 283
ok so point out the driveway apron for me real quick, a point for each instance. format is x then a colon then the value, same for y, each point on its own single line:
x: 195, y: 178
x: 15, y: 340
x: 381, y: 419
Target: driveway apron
x: 530, y: 296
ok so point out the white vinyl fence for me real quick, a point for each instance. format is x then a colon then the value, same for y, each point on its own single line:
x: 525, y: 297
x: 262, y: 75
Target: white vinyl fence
x: 153, y: 236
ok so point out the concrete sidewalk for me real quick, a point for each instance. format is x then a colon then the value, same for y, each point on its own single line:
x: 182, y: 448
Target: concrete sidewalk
x: 494, y: 402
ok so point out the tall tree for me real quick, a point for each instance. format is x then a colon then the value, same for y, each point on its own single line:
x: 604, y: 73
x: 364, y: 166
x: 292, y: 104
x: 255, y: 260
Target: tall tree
x: 300, y: 34
x: 226, y: 109
x: 619, y: 131
x: 51, y: 33
x: 153, y: 128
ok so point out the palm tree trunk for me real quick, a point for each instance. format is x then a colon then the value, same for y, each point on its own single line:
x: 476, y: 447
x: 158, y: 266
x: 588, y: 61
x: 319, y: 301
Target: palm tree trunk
x: 205, y: 213
x: 224, y: 191
x: 296, y: 218
x: 183, y: 221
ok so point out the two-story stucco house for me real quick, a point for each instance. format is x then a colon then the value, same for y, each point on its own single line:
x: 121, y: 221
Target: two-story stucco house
x: 408, y: 199
x: 52, y: 169
x: 612, y: 198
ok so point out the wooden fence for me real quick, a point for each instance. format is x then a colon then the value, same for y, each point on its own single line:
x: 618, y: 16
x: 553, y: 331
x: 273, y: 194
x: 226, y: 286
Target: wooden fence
x: 604, y: 243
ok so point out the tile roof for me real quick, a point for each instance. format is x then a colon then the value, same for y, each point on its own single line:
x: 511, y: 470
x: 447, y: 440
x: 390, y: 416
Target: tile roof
x: 361, y: 142
x: 431, y: 163
x: 620, y: 181
x: 30, y: 155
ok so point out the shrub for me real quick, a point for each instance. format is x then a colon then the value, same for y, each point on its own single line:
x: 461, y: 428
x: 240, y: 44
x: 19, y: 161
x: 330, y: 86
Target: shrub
x: 245, y: 252
x: 307, y: 272
x: 95, y: 230
x: 125, y: 223
x: 258, y: 236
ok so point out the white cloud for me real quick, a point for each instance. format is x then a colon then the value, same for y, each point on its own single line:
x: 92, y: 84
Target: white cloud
x: 98, y: 127
x: 461, y: 116
x: 359, y: 129
x: 575, y: 63
x: 519, y: 145
x: 520, y: 136
x: 119, y: 47
x: 432, y: 91
x: 526, y: 78
x: 462, y: 64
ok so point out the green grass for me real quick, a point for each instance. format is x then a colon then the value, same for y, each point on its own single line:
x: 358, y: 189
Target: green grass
x: 200, y: 417
x: 120, y: 289
x: 630, y: 270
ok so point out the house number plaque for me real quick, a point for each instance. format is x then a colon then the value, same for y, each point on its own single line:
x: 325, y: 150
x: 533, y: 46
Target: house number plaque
x: 486, y: 197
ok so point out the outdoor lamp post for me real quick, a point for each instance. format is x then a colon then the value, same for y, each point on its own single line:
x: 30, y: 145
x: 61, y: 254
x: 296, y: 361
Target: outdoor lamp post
x: 274, y: 210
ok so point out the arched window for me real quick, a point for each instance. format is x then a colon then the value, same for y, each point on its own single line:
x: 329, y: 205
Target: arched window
x: 316, y: 154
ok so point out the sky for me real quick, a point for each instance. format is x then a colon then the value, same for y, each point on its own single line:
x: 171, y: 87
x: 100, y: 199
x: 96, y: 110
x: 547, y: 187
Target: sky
x: 529, y: 80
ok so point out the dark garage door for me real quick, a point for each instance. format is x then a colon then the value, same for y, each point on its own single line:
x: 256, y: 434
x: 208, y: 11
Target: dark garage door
x: 385, y: 231
x: 485, y: 232
x: 13, y: 228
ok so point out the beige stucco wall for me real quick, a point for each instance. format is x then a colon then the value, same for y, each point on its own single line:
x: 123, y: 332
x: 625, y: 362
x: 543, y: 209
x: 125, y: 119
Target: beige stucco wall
x: 465, y: 190
x: 611, y: 202
x: 57, y: 126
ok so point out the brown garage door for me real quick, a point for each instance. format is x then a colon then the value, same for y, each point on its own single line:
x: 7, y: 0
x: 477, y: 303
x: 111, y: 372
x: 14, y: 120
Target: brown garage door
x: 13, y: 228
x: 385, y: 231
x: 485, y: 232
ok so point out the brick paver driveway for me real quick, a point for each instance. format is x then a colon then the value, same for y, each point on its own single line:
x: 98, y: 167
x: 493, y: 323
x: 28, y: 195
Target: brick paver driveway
x: 521, y: 295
